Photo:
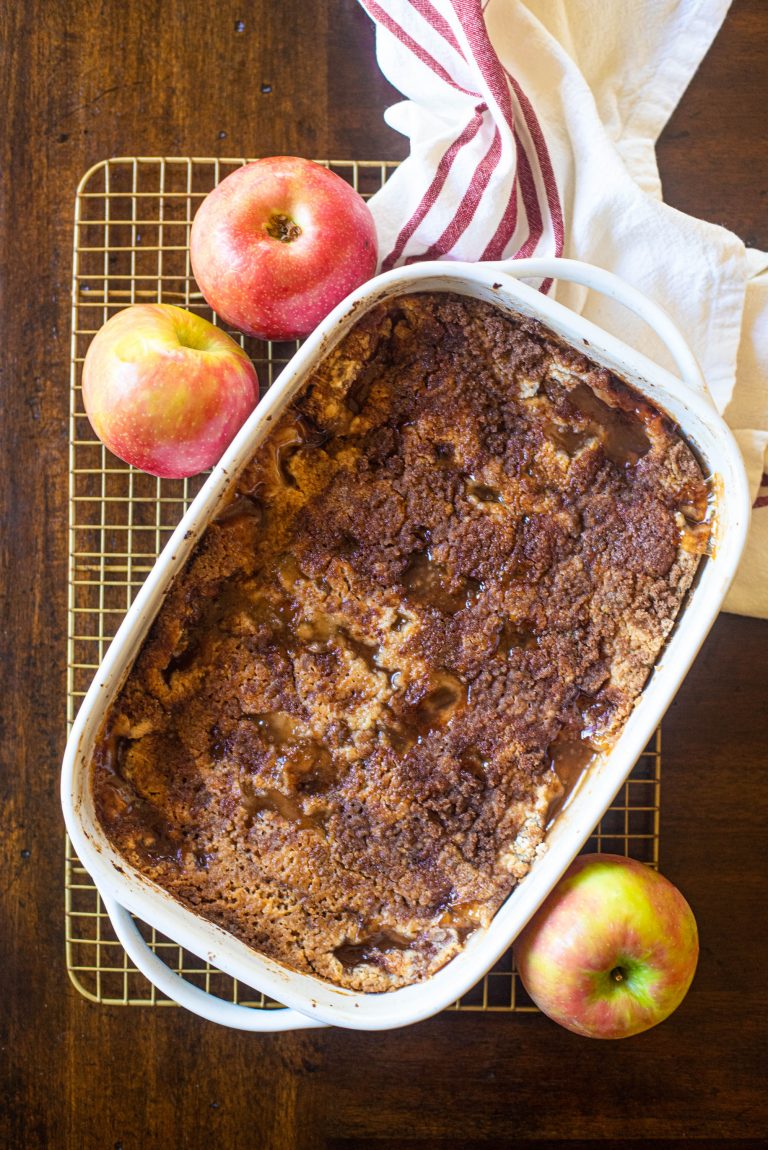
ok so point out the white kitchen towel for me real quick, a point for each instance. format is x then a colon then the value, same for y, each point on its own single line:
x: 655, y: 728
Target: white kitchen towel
x: 532, y: 127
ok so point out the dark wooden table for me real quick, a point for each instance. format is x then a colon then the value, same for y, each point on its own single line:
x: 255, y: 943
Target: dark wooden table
x: 81, y: 81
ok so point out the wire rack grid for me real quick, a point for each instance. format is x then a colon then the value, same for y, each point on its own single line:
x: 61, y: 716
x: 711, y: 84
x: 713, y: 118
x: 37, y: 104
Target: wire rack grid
x: 131, y: 245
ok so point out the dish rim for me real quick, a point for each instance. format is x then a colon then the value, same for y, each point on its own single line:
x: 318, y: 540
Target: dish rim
x: 321, y: 1000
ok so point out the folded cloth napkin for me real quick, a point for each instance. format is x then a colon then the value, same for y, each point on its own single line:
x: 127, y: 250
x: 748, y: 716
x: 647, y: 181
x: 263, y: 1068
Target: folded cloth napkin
x: 532, y: 126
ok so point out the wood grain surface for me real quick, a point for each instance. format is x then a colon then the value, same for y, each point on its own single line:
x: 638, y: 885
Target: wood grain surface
x: 81, y: 81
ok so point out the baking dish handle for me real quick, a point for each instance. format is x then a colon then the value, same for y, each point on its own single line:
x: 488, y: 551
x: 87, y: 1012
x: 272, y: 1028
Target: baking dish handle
x: 590, y: 276
x: 192, y: 997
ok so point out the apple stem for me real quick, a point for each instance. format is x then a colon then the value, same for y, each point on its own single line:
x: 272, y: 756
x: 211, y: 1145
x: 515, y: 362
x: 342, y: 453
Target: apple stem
x: 617, y: 974
x: 283, y: 228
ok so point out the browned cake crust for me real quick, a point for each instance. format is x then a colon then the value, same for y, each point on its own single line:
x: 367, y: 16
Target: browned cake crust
x: 437, y: 592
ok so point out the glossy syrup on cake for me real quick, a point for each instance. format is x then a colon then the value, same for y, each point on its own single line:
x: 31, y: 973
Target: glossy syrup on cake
x: 434, y: 597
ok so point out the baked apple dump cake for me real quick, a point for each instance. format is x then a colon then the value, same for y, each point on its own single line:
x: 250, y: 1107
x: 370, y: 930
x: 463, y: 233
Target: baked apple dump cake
x: 435, y: 595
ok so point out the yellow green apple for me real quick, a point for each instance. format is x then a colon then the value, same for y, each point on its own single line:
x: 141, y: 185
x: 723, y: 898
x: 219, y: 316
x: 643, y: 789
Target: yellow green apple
x: 165, y: 390
x: 613, y: 949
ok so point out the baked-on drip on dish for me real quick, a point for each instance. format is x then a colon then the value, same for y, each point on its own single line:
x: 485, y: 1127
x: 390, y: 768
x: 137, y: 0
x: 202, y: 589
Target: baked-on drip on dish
x: 435, y: 595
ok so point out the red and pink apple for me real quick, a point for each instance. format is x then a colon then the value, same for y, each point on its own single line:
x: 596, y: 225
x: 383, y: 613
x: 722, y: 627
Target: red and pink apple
x: 278, y: 243
x: 165, y: 390
x: 613, y: 949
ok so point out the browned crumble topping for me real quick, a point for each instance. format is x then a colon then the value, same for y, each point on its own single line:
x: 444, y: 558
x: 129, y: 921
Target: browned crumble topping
x: 437, y: 591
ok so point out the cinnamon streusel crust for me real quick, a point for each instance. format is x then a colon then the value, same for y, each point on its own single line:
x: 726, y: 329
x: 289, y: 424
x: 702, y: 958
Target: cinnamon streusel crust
x: 437, y: 592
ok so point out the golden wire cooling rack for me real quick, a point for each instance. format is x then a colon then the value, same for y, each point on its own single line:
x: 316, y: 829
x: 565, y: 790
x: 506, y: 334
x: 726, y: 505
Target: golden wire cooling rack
x: 131, y: 244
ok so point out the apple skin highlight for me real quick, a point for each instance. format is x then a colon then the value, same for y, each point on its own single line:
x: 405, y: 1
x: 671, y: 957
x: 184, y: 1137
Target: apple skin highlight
x: 165, y: 390
x: 612, y: 951
x: 278, y: 243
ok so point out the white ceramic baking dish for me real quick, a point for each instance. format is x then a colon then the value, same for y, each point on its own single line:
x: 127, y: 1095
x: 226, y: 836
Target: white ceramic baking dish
x: 308, y: 1000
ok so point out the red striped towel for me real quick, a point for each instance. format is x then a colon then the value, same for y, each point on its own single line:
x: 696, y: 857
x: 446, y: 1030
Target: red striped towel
x: 532, y: 127
x: 492, y: 193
